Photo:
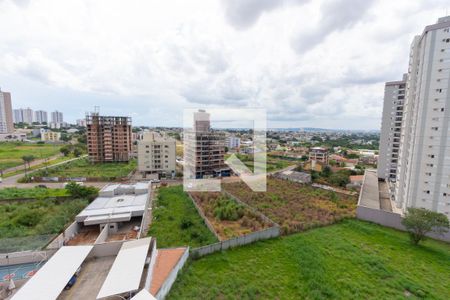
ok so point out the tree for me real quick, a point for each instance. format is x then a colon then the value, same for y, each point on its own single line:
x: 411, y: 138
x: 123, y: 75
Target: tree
x: 77, y: 152
x: 65, y: 137
x: 65, y: 150
x: 326, y: 172
x: 80, y: 191
x: 420, y: 221
x: 27, y: 159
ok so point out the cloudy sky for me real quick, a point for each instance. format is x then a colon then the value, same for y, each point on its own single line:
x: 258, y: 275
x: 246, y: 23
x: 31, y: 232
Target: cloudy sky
x: 309, y: 63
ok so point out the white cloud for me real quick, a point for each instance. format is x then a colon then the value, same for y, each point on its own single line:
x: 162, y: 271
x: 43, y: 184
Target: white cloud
x: 310, y: 63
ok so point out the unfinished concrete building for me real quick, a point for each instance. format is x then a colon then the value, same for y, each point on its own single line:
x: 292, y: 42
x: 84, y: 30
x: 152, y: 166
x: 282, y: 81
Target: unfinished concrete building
x: 108, y: 138
x: 204, y: 149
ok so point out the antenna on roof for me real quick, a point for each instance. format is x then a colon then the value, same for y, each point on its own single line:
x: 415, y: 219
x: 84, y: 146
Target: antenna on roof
x: 96, y: 109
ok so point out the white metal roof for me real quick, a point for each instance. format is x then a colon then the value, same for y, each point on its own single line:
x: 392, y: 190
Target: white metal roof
x: 126, y: 271
x: 102, y: 219
x: 143, y: 295
x: 51, y: 279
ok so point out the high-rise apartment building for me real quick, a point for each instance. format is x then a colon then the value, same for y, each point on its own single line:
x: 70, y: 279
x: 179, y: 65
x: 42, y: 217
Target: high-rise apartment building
x: 23, y: 115
x: 108, y: 138
x: 156, y: 154
x: 204, y: 149
x: 57, y: 117
x: 423, y: 171
x: 6, y: 115
x: 391, y: 125
x: 40, y: 116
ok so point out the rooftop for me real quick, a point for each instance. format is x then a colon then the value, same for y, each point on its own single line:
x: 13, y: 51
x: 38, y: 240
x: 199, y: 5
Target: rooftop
x: 165, y: 262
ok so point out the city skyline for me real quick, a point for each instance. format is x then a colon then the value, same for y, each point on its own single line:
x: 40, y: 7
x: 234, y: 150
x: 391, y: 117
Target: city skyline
x: 307, y: 67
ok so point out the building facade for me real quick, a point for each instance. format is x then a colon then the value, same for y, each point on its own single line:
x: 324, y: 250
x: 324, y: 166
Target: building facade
x: 23, y: 115
x: 6, y: 114
x: 108, y: 138
x: 391, y: 125
x: 40, y: 116
x: 423, y: 171
x: 204, y: 149
x: 156, y: 154
x: 50, y: 136
x: 57, y: 117
x: 318, y: 154
x: 233, y: 142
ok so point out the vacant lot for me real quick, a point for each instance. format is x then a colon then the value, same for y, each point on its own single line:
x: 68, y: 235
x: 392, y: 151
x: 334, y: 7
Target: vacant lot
x: 272, y: 163
x: 83, y: 168
x: 11, y: 152
x: 38, y: 217
x: 228, y: 218
x: 349, y: 260
x: 38, y: 193
x: 296, y: 207
x: 176, y: 222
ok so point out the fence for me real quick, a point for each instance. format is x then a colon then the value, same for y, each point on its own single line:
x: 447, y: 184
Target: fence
x: 265, y: 234
x: 390, y: 219
x: 205, y: 219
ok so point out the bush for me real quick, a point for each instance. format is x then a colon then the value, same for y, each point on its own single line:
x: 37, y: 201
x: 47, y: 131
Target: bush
x: 79, y: 191
x: 225, y: 209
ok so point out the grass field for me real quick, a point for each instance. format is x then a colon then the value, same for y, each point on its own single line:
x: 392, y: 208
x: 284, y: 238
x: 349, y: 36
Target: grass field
x: 349, y: 260
x: 11, y: 152
x: 296, y: 207
x: 176, y: 221
x: 228, y: 218
x: 39, y: 193
x: 83, y: 168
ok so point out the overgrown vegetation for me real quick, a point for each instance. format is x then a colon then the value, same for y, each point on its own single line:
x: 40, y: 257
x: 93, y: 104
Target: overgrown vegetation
x: 83, y: 168
x: 229, y: 218
x: 80, y: 191
x: 176, y: 222
x: 37, y: 192
x: 421, y: 221
x: 296, y: 207
x: 349, y: 260
x: 44, y: 216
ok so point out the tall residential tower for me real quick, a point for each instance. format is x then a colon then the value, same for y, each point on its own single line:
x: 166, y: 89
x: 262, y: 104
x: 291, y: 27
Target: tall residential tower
x: 423, y: 170
x: 391, y: 125
x: 6, y: 115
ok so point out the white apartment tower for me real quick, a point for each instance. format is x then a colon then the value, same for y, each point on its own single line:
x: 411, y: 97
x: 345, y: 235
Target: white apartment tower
x: 23, y: 115
x: 391, y: 124
x: 40, y: 116
x: 6, y: 115
x: 423, y: 171
x: 57, y: 117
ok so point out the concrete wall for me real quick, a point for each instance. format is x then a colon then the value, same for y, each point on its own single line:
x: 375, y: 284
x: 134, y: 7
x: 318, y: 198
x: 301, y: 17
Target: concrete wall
x: 238, y: 241
x: 103, y: 236
x: 147, y: 216
x: 69, y: 233
x: 25, y: 257
x: 106, y: 249
x: 165, y: 287
x: 205, y: 219
x: 151, y: 265
x: 390, y: 219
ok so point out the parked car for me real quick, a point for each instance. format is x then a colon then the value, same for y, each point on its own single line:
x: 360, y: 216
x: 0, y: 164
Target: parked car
x: 71, y: 282
x: 42, y: 186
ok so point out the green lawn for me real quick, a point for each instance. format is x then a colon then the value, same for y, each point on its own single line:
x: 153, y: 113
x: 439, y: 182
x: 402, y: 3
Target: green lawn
x: 11, y: 152
x: 39, y: 193
x: 272, y: 163
x: 176, y: 221
x: 349, y: 260
x: 83, y: 168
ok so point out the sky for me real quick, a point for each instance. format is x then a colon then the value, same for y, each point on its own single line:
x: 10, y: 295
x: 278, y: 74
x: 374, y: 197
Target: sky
x: 309, y: 63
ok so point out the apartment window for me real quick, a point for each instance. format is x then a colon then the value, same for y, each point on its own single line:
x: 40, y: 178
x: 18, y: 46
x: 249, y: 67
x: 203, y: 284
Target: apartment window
x: 442, y: 109
x: 435, y: 128
x: 439, y: 90
x: 427, y: 192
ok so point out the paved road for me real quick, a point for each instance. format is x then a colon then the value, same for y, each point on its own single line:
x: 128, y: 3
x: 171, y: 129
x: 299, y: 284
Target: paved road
x: 32, y: 164
x: 12, y: 181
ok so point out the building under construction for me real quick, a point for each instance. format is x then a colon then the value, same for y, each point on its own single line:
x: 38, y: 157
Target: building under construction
x: 204, y: 149
x: 108, y: 138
